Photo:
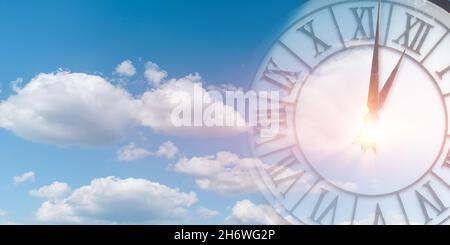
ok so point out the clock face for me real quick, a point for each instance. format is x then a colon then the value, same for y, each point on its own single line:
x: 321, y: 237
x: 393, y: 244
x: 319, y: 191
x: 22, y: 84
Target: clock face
x: 363, y: 129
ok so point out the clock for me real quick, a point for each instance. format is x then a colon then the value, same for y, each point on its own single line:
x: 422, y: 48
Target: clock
x: 362, y: 131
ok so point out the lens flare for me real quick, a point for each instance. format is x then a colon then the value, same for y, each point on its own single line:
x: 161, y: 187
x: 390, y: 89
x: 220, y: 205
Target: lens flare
x: 368, y: 134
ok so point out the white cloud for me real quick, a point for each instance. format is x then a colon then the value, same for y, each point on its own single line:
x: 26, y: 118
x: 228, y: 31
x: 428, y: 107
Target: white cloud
x: 126, y: 68
x: 56, y: 190
x: 224, y: 173
x: 3, y: 213
x: 25, y: 177
x: 168, y: 150
x: 246, y: 212
x: 132, y: 153
x: 154, y: 74
x: 158, y: 104
x: 113, y: 200
x: 68, y: 108
x: 207, y: 213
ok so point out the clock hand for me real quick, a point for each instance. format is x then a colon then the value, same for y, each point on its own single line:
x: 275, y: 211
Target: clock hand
x: 373, y: 99
x: 388, y: 85
x: 367, y: 135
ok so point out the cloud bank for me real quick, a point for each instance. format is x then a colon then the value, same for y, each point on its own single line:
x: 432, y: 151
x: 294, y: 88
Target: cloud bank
x: 66, y: 108
x: 113, y: 200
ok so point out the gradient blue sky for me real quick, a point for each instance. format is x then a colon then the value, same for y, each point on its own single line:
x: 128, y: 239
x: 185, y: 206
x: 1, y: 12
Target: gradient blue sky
x: 224, y: 41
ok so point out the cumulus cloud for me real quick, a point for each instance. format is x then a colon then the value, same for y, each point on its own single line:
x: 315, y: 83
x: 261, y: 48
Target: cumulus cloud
x: 25, y: 177
x: 246, y: 212
x: 56, y: 190
x: 154, y: 75
x: 126, y: 68
x: 3, y: 213
x: 158, y: 105
x: 131, y: 152
x: 168, y: 150
x: 224, y: 173
x: 207, y: 213
x: 68, y: 108
x: 113, y: 200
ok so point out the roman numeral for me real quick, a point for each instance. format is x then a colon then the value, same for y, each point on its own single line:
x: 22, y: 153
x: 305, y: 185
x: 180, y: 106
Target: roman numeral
x: 355, y: 205
x: 281, y: 166
x: 443, y: 72
x: 331, y: 208
x: 361, y: 32
x: 270, y: 125
x: 284, y: 166
x: 281, y: 78
x: 319, y: 45
x: 379, y: 217
x: 434, y: 203
x: 269, y: 117
x: 415, y: 34
x: 402, y: 206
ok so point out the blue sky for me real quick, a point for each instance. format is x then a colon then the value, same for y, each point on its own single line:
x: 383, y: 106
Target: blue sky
x: 223, y: 41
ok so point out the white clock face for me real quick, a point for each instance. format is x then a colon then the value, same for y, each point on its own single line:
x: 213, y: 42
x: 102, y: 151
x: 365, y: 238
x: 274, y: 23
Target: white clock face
x: 330, y: 110
x: 364, y: 135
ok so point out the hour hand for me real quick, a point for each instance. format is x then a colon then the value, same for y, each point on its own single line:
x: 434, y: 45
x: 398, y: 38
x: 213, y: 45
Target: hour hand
x: 388, y: 85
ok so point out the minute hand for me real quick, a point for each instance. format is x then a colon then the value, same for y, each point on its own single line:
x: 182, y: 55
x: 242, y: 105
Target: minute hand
x: 388, y: 85
x: 373, y: 99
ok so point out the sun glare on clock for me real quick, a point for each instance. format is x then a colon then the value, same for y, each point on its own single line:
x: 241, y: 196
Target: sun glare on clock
x: 368, y: 135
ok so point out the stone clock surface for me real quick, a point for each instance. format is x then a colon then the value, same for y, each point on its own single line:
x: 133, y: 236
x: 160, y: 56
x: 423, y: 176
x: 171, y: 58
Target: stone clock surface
x: 364, y: 135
